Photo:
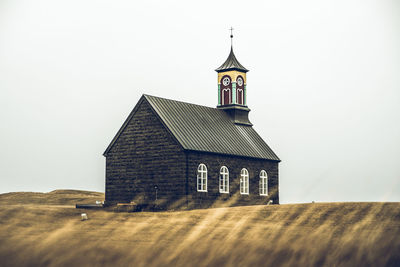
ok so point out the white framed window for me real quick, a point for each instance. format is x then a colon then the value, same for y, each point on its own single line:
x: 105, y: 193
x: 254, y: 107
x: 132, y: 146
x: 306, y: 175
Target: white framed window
x: 224, y: 180
x: 226, y: 81
x: 263, y: 183
x: 239, y: 96
x: 239, y: 81
x: 202, y: 178
x: 244, y: 182
x: 226, y: 96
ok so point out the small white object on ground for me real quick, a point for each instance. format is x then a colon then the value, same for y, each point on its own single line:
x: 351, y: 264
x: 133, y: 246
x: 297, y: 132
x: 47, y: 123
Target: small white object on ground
x: 84, y: 216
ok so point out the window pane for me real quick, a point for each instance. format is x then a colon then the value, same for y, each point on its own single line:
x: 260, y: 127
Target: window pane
x: 202, y: 177
x: 224, y: 180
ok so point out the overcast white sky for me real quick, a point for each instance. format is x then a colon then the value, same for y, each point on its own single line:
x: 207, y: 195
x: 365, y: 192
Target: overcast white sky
x: 323, y: 86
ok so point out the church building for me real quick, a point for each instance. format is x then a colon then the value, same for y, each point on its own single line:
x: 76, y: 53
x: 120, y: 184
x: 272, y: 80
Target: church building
x: 171, y: 154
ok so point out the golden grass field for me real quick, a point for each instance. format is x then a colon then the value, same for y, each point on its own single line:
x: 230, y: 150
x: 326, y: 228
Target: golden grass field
x: 38, y: 229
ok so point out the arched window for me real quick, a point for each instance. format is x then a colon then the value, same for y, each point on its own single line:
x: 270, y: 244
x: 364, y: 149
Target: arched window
x: 224, y: 180
x: 240, y: 90
x: 239, y: 96
x: 263, y: 183
x: 226, y: 96
x: 244, y: 181
x: 202, y: 178
x: 226, y: 90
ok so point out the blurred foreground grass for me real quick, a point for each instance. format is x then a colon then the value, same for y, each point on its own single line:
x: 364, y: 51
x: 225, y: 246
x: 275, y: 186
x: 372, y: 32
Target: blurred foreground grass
x: 320, y: 234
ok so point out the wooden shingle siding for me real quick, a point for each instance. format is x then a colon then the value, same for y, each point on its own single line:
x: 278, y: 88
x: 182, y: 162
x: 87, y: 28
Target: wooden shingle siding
x: 144, y: 155
x: 214, y: 162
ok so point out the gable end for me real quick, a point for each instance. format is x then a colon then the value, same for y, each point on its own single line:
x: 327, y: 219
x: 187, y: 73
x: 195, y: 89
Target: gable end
x: 129, y: 118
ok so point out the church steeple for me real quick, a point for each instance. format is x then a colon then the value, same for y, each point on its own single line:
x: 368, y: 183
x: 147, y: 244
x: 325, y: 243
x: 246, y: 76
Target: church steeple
x: 232, y: 88
x: 231, y: 63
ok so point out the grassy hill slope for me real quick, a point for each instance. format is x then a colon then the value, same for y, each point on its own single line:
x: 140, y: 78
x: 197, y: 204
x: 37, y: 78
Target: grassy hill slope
x: 344, y: 234
x: 56, y: 197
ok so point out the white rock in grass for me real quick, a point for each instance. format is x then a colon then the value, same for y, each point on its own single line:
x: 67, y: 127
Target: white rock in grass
x: 84, y: 216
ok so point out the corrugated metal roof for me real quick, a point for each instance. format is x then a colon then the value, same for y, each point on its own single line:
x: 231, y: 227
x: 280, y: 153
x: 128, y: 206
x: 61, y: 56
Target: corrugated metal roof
x: 208, y: 129
x: 231, y: 63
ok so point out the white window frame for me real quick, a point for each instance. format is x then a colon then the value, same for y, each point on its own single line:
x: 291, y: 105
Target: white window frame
x: 223, y: 96
x: 239, y: 91
x: 263, y: 183
x: 244, y: 181
x: 224, y: 180
x: 202, y: 178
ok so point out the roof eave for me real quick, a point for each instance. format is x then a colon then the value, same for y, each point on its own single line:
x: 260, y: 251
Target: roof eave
x: 229, y: 69
x: 234, y: 155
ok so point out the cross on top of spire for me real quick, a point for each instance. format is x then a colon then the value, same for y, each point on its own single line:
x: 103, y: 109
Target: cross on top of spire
x: 231, y: 29
x: 231, y: 63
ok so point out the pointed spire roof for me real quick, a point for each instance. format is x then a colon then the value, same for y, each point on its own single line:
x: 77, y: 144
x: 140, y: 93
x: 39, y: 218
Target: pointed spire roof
x: 231, y: 63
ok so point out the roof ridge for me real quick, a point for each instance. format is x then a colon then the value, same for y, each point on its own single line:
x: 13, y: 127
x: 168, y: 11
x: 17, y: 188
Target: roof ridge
x: 184, y: 102
x: 207, y: 129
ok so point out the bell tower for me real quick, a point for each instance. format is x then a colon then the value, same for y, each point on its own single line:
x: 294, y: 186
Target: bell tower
x: 232, y: 89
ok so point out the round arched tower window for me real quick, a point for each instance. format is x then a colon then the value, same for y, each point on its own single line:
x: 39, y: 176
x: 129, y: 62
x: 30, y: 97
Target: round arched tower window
x: 226, y: 81
x: 240, y: 81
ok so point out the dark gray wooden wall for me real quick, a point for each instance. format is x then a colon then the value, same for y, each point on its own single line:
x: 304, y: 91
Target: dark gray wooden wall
x: 214, y: 162
x: 144, y: 155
